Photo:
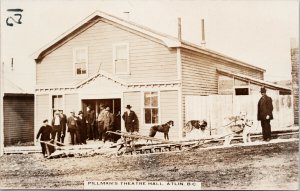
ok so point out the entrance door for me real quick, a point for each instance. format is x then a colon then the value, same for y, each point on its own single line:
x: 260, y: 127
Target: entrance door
x: 113, y: 104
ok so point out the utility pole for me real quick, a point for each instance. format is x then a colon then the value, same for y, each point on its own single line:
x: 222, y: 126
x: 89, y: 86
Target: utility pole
x: 1, y: 109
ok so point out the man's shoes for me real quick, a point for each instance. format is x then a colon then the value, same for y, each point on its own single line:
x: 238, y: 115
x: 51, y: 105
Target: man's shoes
x: 267, y: 140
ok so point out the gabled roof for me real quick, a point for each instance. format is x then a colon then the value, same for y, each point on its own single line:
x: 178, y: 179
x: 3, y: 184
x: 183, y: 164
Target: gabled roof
x: 167, y: 40
x: 253, y: 80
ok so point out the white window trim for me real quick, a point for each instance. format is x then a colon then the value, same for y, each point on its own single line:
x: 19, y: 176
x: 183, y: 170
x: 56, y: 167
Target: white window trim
x: 114, y: 58
x: 51, y: 103
x: 143, y: 108
x: 87, y: 61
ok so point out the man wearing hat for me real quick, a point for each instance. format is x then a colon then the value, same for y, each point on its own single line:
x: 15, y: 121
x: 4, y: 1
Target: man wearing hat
x: 100, y: 122
x: 81, y: 128
x: 130, y: 119
x: 72, y: 126
x: 108, y: 123
x: 90, y: 121
x: 264, y: 114
x: 45, y: 132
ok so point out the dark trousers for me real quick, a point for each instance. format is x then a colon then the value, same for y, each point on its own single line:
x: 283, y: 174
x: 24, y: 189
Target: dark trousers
x: 78, y: 136
x: 43, y: 145
x: 44, y: 150
x: 100, y: 130
x: 96, y: 133
x: 56, y: 130
x: 83, y: 134
x: 90, y: 131
x: 266, y: 129
x: 72, y: 133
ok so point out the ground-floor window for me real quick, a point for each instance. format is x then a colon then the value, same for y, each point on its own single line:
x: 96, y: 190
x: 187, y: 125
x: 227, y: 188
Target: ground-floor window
x: 151, y: 107
x: 57, y: 103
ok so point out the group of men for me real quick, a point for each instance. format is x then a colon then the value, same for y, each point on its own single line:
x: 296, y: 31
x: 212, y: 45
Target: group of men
x: 86, y: 127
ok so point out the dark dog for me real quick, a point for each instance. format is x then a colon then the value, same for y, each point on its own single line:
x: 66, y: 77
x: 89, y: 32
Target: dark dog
x: 164, y: 128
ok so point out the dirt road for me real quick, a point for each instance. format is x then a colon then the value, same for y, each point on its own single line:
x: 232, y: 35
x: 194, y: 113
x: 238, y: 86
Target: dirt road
x: 269, y: 166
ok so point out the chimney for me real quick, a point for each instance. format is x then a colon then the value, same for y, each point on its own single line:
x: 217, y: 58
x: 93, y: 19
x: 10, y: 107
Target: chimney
x: 126, y: 15
x: 179, y: 28
x: 203, y: 43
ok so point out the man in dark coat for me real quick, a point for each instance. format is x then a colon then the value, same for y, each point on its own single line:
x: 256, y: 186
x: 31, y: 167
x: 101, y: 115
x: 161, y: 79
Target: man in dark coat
x: 72, y: 126
x: 45, y: 132
x: 90, y: 121
x: 264, y: 114
x: 81, y: 125
x: 130, y: 119
x: 63, y: 118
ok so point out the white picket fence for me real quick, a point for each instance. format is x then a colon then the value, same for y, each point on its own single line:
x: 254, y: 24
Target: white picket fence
x: 215, y: 108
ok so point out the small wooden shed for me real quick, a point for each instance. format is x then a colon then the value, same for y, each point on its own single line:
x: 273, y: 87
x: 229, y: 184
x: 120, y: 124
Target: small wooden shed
x: 18, y: 115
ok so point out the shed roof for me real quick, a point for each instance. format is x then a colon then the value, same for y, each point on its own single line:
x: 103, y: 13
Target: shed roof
x: 254, y: 80
x: 167, y: 40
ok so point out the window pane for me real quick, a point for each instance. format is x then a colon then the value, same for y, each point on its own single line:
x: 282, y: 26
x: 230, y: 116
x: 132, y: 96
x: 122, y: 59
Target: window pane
x: 57, y: 102
x: 154, y: 116
x: 121, y: 52
x: 80, y: 61
x: 154, y: 97
x: 78, y: 71
x: 121, y: 66
x: 147, y: 99
x: 148, y: 116
x: 80, y: 55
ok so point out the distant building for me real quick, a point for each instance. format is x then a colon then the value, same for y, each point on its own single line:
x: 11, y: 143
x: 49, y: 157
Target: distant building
x: 295, y: 79
x: 18, y: 116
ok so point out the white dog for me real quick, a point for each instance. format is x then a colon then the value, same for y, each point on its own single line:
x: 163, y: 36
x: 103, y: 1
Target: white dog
x: 237, y: 125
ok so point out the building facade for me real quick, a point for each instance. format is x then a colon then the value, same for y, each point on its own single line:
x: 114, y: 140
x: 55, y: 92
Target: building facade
x: 107, y: 60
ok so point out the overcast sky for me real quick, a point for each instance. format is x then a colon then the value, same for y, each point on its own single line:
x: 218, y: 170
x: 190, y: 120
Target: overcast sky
x: 255, y: 31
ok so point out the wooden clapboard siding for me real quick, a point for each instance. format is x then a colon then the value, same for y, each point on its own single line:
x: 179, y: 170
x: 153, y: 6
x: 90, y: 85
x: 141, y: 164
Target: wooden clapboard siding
x: 71, y: 104
x: 149, y: 60
x: 133, y: 99
x: 18, y: 118
x: 169, y: 111
x: 199, y: 75
x: 42, y: 110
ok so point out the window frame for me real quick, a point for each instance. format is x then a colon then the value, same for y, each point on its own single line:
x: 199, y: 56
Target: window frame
x: 74, y: 61
x: 53, y: 109
x: 127, y: 72
x: 241, y: 87
x: 143, y: 107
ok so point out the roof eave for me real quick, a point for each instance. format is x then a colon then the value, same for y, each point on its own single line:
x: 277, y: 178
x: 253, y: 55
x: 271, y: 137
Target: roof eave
x: 205, y: 51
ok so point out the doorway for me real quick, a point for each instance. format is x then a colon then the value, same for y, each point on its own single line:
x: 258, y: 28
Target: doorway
x: 113, y: 104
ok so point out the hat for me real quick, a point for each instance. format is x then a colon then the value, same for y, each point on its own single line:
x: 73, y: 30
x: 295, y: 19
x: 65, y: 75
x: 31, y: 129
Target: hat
x: 263, y: 90
x: 80, y: 112
x: 107, y: 108
x: 46, y: 120
x: 128, y: 107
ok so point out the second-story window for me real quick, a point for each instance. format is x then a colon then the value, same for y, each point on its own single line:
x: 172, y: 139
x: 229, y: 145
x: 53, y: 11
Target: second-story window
x: 121, y: 58
x: 80, y: 57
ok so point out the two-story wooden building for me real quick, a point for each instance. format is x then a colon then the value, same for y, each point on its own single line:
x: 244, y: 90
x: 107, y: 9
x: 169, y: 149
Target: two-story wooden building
x: 108, y: 60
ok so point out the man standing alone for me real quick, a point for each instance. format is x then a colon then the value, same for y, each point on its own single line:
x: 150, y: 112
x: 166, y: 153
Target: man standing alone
x: 130, y: 119
x: 264, y: 114
x: 46, y: 133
